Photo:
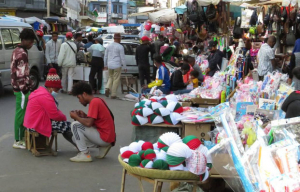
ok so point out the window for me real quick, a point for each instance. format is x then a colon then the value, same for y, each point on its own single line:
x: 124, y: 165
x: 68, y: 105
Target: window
x: 2, y: 2
x: 120, y: 9
x: 8, y: 44
x: 15, y: 33
x: 97, y: 6
x: 29, y: 2
x: 127, y: 49
x: 102, y: 9
x: 115, y: 9
x: 133, y: 48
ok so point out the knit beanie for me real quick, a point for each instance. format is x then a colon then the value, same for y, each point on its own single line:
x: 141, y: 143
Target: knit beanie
x: 141, y: 154
x: 145, y: 112
x: 149, y: 154
x: 147, y: 145
x: 162, y: 111
x: 146, y: 163
x: 177, y: 153
x: 192, y: 141
x: 134, y: 160
x: 172, y: 119
x: 53, y: 80
x: 139, y: 120
x: 164, y: 103
x: 134, y: 112
x: 155, y: 105
x: 155, y: 119
x: 175, y: 107
x: 160, y: 164
x: 167, y: 139
x: 126, y: 154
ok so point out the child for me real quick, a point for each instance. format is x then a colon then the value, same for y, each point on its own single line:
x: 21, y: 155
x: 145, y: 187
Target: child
x: 194, y: 78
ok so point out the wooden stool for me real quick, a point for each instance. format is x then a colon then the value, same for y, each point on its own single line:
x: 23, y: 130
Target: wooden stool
x: 158, y: 183
x: 129, y: 81
x: 39, y: 145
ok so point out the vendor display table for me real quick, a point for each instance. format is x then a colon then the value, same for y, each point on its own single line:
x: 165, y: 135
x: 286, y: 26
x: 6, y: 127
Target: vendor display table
x: 151, y: 133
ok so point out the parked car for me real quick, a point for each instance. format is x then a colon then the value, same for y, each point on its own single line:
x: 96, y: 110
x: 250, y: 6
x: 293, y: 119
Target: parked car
x: 9, y: 39
x: 61, y: 38
x: 130, y: 49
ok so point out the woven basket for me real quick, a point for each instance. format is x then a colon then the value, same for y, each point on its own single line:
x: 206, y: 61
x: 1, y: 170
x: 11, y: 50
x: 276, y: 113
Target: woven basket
x: 159, y: 174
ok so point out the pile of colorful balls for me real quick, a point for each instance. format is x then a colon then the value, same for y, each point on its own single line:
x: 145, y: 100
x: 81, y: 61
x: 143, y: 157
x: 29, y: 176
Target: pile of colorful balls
x: 170, y: 153
x: 157, y: 110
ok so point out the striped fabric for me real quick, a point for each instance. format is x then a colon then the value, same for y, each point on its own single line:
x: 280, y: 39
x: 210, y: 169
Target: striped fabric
x: 75, y: 130
x: 265, y: 55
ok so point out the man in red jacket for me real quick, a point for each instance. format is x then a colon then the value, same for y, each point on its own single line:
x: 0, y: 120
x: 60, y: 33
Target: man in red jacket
x: 42, y: 113
x: 95, y: 129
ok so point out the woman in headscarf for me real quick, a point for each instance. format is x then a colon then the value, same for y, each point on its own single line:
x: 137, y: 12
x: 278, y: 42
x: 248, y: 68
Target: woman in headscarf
x: 97, y: 64
x: 295, y: 60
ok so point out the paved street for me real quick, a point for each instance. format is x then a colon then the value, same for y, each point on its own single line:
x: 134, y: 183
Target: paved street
x: 20, y: 171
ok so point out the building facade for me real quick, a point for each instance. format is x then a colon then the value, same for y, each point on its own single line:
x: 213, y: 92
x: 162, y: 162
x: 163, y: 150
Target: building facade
x: 102, y: 8
x: 29, y: 8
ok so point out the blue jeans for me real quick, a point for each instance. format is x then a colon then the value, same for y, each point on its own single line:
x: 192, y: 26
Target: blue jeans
x: 182, y: 91
x: 163, y: 89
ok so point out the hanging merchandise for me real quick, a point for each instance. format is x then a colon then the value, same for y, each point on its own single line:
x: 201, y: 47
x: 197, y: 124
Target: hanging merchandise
x: 237, y: 30
x: 290, y: 38
x: 195, y: 12
x: 246, y: 17
x: 254, y: 18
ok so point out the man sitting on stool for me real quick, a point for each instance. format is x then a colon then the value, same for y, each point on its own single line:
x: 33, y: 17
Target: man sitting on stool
x: 95, y: 129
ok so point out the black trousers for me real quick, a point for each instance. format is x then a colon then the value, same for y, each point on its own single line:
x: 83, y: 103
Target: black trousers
x: 144, y: 72
x: 97, y: 65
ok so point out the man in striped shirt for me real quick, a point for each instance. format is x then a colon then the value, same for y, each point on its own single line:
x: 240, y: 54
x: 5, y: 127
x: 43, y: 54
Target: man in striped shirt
x: 266, y: 58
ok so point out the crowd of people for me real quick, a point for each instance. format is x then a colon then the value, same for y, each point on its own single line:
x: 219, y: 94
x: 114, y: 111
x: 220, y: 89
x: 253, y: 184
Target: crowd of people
x: 38, y: 109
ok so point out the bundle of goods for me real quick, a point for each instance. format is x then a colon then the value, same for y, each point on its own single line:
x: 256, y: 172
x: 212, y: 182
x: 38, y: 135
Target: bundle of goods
x: 157, y: 110
x: 265, y: 160
x: 211, y: 87
x: 169, y: 153
x: 196, y: 114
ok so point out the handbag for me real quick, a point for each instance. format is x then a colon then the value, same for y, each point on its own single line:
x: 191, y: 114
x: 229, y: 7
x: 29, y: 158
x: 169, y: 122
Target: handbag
x: 290, y: 37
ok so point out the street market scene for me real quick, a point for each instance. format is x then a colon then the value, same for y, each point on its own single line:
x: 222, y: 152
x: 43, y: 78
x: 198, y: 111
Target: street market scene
x: 156, y: 95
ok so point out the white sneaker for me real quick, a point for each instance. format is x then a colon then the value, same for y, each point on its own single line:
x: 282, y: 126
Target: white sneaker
x: 82, y: 157
x: 18, y: 145
x: 103, y: 152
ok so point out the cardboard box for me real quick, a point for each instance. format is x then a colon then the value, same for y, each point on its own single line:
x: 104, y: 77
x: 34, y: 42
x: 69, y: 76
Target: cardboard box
x: 222, y: 164
x: 200, y: 130
x: 205, y: 103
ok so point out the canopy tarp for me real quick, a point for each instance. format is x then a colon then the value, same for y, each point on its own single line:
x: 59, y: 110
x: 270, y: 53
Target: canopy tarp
x: 143, y: 13
x: 55, y: 19
x: 32, y: 20
x: 181, y: 9
x: 163, y: 16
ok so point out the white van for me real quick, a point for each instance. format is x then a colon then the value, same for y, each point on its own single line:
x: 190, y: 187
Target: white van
x: 9, y: 39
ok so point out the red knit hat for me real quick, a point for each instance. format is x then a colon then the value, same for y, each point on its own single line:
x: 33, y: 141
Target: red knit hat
x: 53, y: 80
x: 145, y: 38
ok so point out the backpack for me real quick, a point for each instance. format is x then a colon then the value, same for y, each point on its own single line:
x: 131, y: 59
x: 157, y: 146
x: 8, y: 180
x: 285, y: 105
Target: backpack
x: 194, y: 13
x: 211, y: 12
x: 254, y: 18
x: 237, y: 31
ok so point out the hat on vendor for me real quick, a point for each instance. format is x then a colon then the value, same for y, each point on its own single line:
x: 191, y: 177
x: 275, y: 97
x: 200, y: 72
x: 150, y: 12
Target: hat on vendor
x: 69, y: 35
x: 99, y: 39
x: 53, y: 80
x: 212, y: 44
x: 145, y: 38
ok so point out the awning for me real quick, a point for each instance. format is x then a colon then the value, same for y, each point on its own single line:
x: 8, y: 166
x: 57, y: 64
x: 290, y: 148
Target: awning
x: 144, y: 13
x: 19, y: 19
x: 181, y: 9
x: 32, y: 20
x: 163, y: 16
x: 55, y: 19
x: 132, y: 4
x: 131, y: 25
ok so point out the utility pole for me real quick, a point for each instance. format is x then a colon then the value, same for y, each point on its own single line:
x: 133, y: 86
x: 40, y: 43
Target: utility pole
x: 48, y: 8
